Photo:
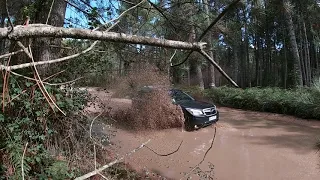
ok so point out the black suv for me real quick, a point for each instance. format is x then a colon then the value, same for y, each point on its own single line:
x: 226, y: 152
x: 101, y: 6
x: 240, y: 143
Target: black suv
x: 197, y: 114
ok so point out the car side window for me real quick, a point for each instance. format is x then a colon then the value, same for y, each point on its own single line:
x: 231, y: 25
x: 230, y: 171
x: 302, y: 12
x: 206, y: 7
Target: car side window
x: 179, y: 95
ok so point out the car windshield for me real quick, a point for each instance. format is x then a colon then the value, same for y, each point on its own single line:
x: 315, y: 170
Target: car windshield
x: 180, y: 96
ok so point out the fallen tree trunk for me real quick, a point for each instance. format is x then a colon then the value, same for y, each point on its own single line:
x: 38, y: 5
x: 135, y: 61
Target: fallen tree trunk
x: 216, y: 65
x: 41, y: 30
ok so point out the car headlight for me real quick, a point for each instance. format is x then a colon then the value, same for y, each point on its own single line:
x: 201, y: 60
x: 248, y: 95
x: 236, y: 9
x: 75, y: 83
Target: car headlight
x: 195, y: 112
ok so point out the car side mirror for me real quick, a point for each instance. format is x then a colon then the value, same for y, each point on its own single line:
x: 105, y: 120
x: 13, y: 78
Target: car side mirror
x: 174, y: 101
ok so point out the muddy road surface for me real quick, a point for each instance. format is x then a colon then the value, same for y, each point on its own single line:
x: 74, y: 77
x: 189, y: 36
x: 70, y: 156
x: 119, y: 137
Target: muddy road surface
x: 247, y: 146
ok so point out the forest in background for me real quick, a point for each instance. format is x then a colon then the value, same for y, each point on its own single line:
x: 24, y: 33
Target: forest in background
x: 258, y: 43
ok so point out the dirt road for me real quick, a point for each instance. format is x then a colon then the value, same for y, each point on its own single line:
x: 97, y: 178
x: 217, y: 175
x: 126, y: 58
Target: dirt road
x: 248, y: 146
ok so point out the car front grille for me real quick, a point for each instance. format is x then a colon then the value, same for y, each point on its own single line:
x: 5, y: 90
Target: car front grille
x: 210, y: 111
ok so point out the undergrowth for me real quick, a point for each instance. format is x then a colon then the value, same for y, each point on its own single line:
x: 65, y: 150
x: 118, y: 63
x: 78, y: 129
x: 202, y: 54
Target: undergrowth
x: 37, y: 138
x: 300, y: 102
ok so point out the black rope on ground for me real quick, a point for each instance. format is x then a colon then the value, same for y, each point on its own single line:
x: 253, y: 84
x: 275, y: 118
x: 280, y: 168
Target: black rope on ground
x: 214, y: 136
x: 165, y: 154
x: 205, y: 154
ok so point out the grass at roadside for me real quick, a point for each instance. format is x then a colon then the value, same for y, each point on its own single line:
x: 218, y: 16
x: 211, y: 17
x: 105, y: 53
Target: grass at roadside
x: 302, y: 102
x: 299, y: 102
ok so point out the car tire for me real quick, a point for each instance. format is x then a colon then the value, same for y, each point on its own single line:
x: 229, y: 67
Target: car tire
x: 188, y: 127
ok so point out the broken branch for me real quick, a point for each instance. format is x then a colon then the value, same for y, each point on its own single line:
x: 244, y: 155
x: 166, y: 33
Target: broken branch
x: 11, y: 54
x: 216, y: 65
x: 111, y: 163
x: 41, y: 30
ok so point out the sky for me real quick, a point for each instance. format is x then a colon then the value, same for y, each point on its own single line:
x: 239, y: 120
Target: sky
x: 82, y: 21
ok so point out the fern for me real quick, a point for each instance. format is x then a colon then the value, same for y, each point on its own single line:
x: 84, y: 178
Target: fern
x: 15, y: 151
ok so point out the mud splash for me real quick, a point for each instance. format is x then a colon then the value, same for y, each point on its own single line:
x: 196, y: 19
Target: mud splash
x: 153, y: 110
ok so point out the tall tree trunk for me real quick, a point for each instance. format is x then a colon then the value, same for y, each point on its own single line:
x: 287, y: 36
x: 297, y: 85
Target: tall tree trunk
x: 195, y: 64
x: 2, y: 41
x: 297, y: 74
x: 43, y: 50
x: 236, y: 65
x: 301, y: 53
x: 257, y: 59
x: 247, y: 64
x: 285, y: 62
x: 210, y: 45
x: 313, y: 55
x: 306, y: 53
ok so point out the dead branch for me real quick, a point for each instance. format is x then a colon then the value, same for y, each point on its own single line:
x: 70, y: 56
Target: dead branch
x: 228, y: 8
x: 205, y: 155
x: 103, y: 176
x: 25, y: 49
x: 88, y: 4
x: 124, y: 12
x: 25, y: 65
x: 41, y: 30
x: 168, y: 154
x: 40, y: 83
x: 94, y: 144
x: 170, y: 60
x: 90, y: 130
x: 49, y: 14
x: 182, y: 62
x: 78, y: 8
x: 43, y: 91
x: 11, y: 54
x: 63, y: 83
x: 209, y: 28
x: 14, y: 73
x: 216, y: 65
x: 44, y: 82
x: 111, y: 163
x: 110, y: 36
x: 49, y: 77
x: 161, y: 12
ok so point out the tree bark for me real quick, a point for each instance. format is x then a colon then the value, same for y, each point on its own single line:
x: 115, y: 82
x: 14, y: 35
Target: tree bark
x: 54, y: 15
x: 41, y: 30
x: 195, y: 64
x: 306, y: 53
x: 297, y: 74
x: 210, y: 45
x: 2, y: 41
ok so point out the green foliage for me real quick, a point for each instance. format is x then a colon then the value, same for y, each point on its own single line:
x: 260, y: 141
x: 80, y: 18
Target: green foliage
x: 302, y: 102
x: 97, y: 66
x: 59, y: 170
x: 28, y: 119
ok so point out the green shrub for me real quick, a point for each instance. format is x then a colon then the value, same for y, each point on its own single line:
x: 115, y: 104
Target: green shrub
x: 28, y: 122
x: 300, y: 102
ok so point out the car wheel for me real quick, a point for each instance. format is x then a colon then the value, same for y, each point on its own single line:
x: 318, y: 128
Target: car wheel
x: 188, y: 127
